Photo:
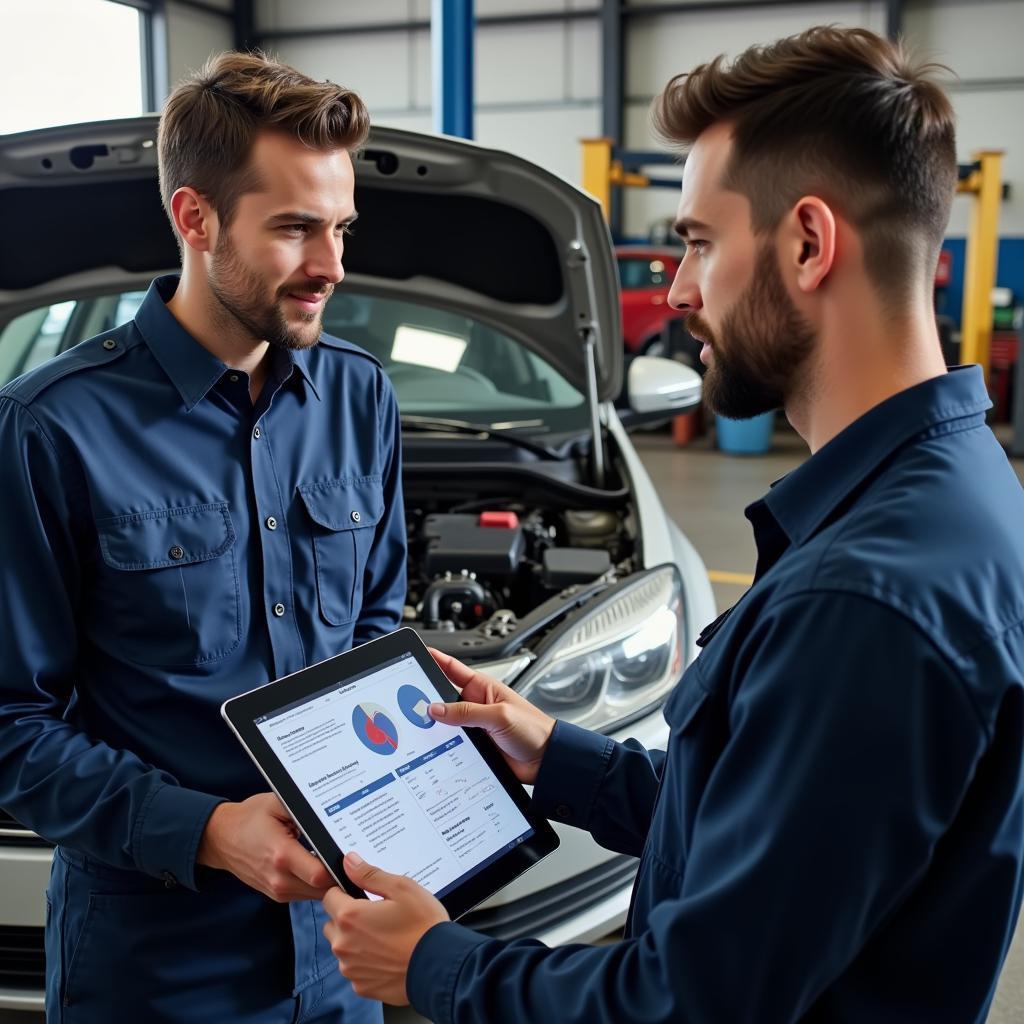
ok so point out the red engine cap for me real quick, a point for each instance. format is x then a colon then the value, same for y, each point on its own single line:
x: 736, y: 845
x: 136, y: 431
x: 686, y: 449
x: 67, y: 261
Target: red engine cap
x: 500, y: 520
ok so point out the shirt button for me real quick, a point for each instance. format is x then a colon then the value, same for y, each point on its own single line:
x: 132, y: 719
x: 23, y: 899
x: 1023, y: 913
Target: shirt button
x: 233, y: 378
x: 256, y: 433
x: 176, y: 552
x: 170, y: 882
x: 109, y: 344
x: 271, y: 523
x: 355, y: 516
x: 562, y: 811
x: 279, y: 609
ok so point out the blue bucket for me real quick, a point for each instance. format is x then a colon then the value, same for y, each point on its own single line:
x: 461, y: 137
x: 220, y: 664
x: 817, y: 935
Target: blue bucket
x: 745, y: 437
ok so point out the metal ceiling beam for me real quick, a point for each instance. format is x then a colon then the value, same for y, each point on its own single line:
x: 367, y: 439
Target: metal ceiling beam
x: 894, y: 18
x: 243, y: 23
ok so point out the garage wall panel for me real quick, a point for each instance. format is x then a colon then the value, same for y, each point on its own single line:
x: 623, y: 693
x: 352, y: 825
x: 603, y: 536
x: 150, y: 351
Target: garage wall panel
x: 376, y: 65
x: 662, y: 46
x: 289, y: 14
x: 547, y: 136
x: 192, y: 36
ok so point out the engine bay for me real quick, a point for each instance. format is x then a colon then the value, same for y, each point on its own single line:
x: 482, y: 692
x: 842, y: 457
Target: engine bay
x: 484, y: 575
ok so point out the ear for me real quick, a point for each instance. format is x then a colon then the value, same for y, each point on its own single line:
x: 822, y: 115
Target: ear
x: 194, y: 219
x: 811, y: 242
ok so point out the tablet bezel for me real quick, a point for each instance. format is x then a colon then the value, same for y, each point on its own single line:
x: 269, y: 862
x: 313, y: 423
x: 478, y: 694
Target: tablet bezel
x: 241, y: 713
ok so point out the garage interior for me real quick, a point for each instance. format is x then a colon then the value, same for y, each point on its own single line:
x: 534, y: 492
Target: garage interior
x: 537, y: 78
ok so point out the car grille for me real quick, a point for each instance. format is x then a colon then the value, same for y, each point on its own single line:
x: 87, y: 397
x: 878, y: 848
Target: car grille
x: 22, y: 961
x: 552, y: 906
x: 13, y: 833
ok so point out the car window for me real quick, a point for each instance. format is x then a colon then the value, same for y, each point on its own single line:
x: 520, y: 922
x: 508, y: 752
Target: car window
x: 33, y: 337
x: 440, y: 362
x: 443, y: 363
x: 643, y: 272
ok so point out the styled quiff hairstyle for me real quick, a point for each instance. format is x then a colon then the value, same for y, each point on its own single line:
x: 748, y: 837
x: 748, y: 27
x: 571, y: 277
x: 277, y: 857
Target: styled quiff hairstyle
x: 842, y: 114
x: 210, y: 122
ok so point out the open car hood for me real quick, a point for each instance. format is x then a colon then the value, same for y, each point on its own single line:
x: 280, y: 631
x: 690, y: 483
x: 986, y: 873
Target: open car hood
x: 441, y: 221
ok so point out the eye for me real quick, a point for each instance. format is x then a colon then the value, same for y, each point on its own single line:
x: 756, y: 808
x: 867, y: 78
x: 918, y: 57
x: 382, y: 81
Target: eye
x: 345, y: 229
x: 295, y: 229
x: 698, y: 245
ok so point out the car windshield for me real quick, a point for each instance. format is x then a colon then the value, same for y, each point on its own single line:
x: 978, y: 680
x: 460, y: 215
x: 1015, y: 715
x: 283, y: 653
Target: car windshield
x: 447, y: 365
x: 443, y: 365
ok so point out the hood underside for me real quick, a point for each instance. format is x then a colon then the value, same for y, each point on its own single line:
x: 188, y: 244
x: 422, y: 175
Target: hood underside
x: 441, y: 221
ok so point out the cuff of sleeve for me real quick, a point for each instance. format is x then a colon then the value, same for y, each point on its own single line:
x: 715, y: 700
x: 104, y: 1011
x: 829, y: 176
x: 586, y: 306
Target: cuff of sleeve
x: 167, y: 831
x: 571, y: 773
x: 434, y: 969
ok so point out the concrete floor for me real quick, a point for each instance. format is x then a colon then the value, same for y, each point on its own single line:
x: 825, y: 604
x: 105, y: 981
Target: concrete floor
x: 706, y: 492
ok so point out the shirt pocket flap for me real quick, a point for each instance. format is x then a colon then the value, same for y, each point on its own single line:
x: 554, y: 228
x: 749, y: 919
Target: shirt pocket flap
x: 344, y: 504
x: 165, y: 537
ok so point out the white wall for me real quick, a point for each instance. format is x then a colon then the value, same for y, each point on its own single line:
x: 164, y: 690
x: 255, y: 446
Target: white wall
x: 538, y: 86
x: 193, y: 35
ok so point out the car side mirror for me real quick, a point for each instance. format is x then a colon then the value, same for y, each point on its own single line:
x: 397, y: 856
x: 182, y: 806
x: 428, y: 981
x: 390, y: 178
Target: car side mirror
x: 659, y: 388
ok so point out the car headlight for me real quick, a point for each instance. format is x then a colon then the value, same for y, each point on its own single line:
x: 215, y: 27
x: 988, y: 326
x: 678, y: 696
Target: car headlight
x: 618, y: 660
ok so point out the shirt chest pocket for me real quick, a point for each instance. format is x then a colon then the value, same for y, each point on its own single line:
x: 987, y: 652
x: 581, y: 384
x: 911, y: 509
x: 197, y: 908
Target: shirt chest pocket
x: 343, y: 516
x: 167, y: 589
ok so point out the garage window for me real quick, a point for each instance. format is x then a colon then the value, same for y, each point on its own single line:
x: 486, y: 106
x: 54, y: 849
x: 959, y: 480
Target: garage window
x: 60, y: 78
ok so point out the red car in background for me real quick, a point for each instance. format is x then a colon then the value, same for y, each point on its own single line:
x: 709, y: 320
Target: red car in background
x: 645, y: 275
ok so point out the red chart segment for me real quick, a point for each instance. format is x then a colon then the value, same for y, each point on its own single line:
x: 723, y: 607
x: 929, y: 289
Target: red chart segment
x: 375, y: 730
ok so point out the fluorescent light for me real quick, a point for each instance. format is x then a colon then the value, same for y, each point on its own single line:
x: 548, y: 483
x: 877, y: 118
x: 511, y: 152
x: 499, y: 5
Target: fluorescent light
x: 424, y: 347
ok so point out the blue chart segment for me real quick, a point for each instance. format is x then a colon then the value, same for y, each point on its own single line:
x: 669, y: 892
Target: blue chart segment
x: 413, y: 704
x: 375, y: 730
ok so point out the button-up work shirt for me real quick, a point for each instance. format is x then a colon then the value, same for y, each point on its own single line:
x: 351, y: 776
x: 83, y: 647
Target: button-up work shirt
x: 835, y: 831
x: 168, y: 544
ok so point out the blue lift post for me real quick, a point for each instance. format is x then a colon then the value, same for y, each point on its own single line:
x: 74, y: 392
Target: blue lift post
x: 451, y: 39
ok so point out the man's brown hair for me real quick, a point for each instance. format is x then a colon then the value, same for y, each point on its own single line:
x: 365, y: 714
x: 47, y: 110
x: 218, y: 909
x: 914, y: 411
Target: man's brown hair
x: 842, y: 114
x: 210, y: 122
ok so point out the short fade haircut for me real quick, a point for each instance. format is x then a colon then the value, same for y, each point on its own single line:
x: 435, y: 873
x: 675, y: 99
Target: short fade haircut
x: 211, y: 120
x: 840, y: 113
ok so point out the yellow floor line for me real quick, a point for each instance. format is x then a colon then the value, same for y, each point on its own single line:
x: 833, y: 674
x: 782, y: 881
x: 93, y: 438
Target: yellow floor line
x: 741, y: 579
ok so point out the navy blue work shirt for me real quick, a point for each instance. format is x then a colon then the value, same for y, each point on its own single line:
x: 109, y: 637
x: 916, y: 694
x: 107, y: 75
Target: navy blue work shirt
x: 835, y: 831
x: 168, y: 544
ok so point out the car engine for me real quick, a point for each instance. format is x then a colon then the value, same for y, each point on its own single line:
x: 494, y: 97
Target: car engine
x: 488, y: 566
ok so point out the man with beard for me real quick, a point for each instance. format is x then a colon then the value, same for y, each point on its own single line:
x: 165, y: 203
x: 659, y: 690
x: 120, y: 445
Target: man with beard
x: 196, y: 502
x: 834, y: 831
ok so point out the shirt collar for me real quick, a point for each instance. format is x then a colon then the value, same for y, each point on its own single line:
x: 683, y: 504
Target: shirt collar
x: 802, y: 501
x: 192, y: 368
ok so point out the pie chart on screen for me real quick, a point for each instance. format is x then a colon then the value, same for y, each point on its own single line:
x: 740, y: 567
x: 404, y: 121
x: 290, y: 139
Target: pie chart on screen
x: 375, y: 730
x: 413, y: 703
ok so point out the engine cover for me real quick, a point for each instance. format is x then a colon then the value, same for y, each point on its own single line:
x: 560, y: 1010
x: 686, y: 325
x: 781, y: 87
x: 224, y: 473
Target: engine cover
x: 457, y: 543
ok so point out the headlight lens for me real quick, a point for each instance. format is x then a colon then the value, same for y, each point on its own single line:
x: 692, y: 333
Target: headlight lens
x: 621, y: 658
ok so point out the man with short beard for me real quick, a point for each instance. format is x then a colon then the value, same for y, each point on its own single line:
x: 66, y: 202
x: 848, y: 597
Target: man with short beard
x: 195, y: 503
x: 834, y: 832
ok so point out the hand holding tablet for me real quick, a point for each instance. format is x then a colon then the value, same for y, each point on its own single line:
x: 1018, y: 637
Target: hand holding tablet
x: 353, y: 752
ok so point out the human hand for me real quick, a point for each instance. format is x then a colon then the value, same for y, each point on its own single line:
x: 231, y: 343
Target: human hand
x: 374, y: 939
x: 257, y: 841
x: 520, y: 729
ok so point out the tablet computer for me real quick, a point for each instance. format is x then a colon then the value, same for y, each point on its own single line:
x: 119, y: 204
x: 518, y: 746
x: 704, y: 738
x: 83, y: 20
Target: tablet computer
x: 349, y: 748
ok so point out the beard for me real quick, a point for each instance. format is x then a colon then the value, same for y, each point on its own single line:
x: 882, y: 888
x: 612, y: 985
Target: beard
x: 241, y: 294
x: 761, y: 349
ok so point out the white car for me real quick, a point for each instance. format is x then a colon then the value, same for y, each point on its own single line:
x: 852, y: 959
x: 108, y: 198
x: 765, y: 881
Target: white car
x: 487, y: 288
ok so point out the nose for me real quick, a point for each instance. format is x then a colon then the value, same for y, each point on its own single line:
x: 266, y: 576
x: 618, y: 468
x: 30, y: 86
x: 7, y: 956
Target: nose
x: 324, y: 259
x: 684, y: 294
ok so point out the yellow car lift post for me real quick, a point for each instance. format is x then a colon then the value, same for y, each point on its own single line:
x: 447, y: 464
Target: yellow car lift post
x: 982, y: 179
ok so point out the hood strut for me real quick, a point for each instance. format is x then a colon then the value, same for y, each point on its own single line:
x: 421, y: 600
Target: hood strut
x: 597, y: 445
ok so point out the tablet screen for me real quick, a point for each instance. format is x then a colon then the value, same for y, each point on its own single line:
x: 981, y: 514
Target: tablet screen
x: 410, y: 795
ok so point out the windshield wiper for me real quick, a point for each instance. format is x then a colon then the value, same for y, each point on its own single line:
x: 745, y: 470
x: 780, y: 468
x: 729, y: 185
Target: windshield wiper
x: 435, y: 425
